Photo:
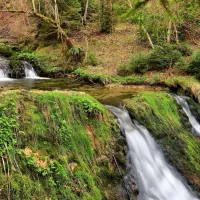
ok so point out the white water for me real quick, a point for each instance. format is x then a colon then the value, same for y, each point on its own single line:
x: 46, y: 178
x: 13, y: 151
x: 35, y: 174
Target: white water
x: 155, y: 179
x: 29, y: 71
x: 4, y: 66
x: 192, y: 119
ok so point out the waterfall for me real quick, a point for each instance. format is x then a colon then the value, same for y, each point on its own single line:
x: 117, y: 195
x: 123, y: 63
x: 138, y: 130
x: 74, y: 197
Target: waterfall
x: 4, y: 68
x: 192, y: 119
x: 29, y: 71
x: 156, y: 180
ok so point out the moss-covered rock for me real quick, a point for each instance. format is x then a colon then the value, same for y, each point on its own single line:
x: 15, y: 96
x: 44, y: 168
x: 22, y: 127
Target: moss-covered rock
x: 195, y: 108
x: 16, y: 69
x: 161, y: 115
x: 56, y: 145
x: 5, y: 50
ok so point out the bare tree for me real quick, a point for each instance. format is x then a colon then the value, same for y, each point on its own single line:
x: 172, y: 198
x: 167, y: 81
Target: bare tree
x: 85, y: 12
x: 129, y: 3
x: 33, y: 4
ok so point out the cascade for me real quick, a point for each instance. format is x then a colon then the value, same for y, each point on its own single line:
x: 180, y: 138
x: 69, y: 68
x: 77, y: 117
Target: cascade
x: 195, y: 124
x: 29, y: 71
x: 4, y: 68
x: 156, y: 180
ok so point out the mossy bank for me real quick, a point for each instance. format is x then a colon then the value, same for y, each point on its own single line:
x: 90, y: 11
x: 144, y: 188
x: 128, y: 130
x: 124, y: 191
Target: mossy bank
x: 57, y: 145
x: 165, y: 119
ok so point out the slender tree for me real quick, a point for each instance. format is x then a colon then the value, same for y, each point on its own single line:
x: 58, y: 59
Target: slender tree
x: 85, y: 12
x: 106, y: 16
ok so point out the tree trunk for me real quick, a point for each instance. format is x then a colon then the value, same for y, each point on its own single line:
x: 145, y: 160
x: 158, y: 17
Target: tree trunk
x: 85, y: 12
x: 129, y: 3
x: 176, y: 32
x: 56, y: 13
x: 34, y: 7
x: 169, y: 32
x: 148, y: 36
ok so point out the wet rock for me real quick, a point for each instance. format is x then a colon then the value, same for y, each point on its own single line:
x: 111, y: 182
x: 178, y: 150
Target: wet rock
x: 16, y: 69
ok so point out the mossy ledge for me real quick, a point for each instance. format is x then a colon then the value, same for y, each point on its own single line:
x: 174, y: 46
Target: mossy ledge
x: 57, y: 145
x: 166, y: 121
x: 188, y: 84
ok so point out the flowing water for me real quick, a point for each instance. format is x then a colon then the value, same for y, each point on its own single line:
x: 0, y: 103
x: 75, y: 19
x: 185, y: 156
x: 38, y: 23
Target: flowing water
x: 30, y: 72
x: 156, y: 180
x: 4, y: 68
x: 195, y: 124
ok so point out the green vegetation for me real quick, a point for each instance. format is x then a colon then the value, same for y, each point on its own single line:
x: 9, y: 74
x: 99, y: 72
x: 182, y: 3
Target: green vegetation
x: 159, y: 59
x: 93, y: 78
x: 165, y: 21
x: 16, y: 69
x: 194, y: 65
x: 59, y: 145
x: 161, y: 115
x: 91, y: 59
x: 106, y: 16
x: 5, y: 50
x: 56, y: 145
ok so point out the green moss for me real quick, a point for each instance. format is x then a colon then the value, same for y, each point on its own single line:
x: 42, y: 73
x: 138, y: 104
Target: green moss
x: 47, y: 133
x: 8, y: 124
x: 94, y: 78
x: 5, y: 50
x: 106, y: 79
x: 161, y: 115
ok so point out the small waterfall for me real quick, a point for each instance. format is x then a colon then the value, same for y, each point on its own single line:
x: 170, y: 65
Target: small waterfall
x: 192, y: 119
x: 156, y: 180
x: 29, y: 71
x: 4, y: 68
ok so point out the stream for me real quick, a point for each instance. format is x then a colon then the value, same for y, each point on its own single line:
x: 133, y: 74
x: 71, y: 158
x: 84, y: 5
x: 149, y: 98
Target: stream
x: 105, y: 95
x: 156, y: 180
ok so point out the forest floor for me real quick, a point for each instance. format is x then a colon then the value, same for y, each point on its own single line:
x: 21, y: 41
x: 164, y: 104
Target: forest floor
x: 112, y: 50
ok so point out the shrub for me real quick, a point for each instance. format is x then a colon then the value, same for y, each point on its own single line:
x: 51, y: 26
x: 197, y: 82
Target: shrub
x: 30, y: 57
x: 194, y: 66
x: 159, y: 59
x: 91, y: 59
x: 77, y: 54
x: 5, y: 50
x: 16, y: 69
x: 184, y: 49
x: 138, y: 64
x: 181, y: 65
x: 163, y: 57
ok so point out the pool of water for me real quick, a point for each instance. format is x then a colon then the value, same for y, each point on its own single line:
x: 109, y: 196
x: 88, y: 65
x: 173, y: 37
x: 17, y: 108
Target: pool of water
x: 111, y: 95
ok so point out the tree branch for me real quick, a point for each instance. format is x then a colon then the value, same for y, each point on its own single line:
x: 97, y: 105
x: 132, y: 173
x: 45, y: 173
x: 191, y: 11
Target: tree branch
x: 13, y: 11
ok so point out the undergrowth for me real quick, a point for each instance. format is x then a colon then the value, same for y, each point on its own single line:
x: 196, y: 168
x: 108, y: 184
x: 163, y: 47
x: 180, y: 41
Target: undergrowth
x: 159, y: 59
